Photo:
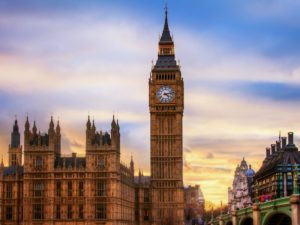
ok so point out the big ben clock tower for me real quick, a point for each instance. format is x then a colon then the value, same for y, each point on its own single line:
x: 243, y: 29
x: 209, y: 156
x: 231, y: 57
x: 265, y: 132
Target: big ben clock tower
x: 166, y: 103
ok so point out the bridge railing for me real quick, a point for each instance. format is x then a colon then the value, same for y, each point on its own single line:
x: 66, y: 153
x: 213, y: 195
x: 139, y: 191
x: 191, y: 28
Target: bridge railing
x: 277, y: 203
x: 244, y: 211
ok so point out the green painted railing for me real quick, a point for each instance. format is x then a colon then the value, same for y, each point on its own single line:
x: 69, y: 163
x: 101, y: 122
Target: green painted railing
x: 280, y: 204
x: 245, y: 212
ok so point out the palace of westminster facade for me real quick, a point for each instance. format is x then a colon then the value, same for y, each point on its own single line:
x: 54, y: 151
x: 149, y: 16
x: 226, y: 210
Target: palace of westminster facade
x: 49, y: 188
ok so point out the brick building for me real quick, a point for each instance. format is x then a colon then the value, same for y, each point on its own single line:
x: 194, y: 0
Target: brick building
x: 50, y: 187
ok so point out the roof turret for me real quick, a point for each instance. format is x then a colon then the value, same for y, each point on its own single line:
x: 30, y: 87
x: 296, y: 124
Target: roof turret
x: 15, y: 136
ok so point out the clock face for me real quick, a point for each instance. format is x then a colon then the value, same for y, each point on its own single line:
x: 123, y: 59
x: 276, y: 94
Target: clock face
x: 165, y: 94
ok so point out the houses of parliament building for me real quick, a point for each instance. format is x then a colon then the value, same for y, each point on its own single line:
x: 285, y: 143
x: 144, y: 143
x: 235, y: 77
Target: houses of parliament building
x: 49, y: 188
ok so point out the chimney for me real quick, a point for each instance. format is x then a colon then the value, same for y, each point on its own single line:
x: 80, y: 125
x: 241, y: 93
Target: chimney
x: 273, y: 148
x: 74, y: 154
x: 283, y: 140
x: 278, y: 146
x: 291, y: 138
x: 267, y: 152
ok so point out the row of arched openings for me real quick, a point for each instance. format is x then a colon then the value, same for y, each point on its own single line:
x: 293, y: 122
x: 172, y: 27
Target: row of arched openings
x: 275, y: 219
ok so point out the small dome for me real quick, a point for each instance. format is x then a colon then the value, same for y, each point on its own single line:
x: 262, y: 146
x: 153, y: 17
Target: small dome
x: 250, y: 172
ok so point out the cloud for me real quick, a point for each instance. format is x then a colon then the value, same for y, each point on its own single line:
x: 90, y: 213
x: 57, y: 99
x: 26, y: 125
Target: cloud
x: 70, y: 144
x: 270, y: 90
x: 209, y: 155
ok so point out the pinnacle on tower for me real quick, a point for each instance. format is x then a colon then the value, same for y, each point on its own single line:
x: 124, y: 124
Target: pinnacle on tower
x: 131, y: 162
x: 34, y: 129
x: 166, y: 36
x: 15, y: 136
x: 27, y: 125
x: 51, y: 124
x: 118, y: 125
x: 16, y: 127
x: 88, y: 123
x: 93, y: 125
x: 113, y: 123
x: 57, y: 127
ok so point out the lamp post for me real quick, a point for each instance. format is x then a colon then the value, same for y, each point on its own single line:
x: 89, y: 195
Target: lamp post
x: 221, y: 221
x: 212, y: 215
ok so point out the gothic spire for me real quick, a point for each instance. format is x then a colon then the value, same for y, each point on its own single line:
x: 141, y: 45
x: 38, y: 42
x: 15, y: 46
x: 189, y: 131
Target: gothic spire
x: 132, y: 165
x: 57, y: 127
x: 166, y: 48
x: 27, y: 126
x: 34, y: 129
x: 16, y: 127
x: 131, y: 161
x: 15, y: 136
x: 51, y: 124
x: 113, y: 123
x: 118, y: 127
x: 166, y: 36
x: 93, y: 126
x: 88, y: 124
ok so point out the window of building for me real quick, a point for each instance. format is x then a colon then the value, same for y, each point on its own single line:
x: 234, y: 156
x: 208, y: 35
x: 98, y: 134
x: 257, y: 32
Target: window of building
x: 9, y: 190
x: 136, y: 215
x: 160, y: 213
x: 80, y: 211
x: 9, y: 212
x: 39, y: 162
x: 101, y: 163
x: 146, y: 214
x: 14, y: 159
x: 38, y: 188
x: 81, y: 188
x: 161, y: 195
x: 70, y: 190
x: 170, y: 196
x: 100, y: 211
x: 69, y: 213
x: 100, y: 188
x: 58, y: 188
x: 57, y: 212
x: 146, y: 195
x: 38, y: 211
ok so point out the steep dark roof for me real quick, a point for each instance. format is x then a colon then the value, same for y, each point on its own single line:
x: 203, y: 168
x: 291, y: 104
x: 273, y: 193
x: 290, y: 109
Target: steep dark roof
x: 13, y: 170
x: 166, y: 36
x: 283, y: 158
x: 165, y: 62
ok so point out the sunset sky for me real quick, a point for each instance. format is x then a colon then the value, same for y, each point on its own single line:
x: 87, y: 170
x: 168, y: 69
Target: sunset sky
x: 240, y: 61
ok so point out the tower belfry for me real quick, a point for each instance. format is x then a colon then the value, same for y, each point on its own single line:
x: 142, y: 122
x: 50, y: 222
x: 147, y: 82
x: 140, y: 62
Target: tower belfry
x: 166, y: 104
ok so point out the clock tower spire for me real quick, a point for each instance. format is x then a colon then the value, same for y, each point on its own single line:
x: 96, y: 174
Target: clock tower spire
x: 166, y: 44
x: 166, y: 104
